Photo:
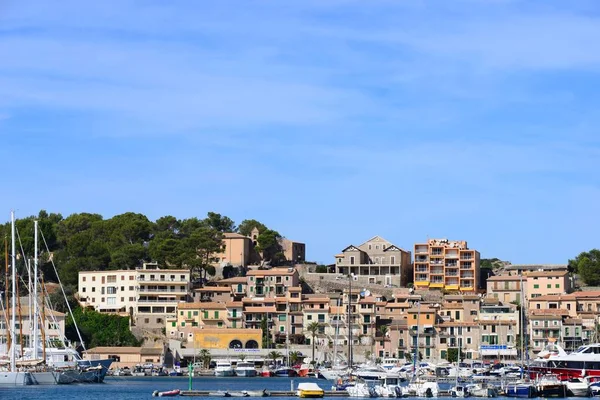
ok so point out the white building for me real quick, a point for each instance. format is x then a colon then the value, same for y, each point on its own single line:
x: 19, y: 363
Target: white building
x: 148, y: 294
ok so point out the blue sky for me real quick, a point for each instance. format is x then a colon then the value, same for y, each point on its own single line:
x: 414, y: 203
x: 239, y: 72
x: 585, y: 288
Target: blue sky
x: 330, y: 121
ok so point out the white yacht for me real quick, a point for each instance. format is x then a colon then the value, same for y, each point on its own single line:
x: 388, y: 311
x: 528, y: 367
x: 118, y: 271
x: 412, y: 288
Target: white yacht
x: 246, y: 369
x: 224, y: 368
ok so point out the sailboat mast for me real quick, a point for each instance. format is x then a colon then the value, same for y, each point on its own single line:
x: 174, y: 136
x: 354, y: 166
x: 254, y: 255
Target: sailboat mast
x: 13, y: 322
x: 35, y: 293
x: 6, y: 291
x: 521, y: 323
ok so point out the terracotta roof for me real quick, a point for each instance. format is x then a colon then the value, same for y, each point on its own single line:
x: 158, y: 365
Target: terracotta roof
x: 271, y: 272
x: 315, y: 299
x: 422, y: 310
x: 506, y: 278
x: 453, y: 305
x: 573, y: 321
x: 232, y: 235
x: 113, y: 350
x: 209, y: 289
x: 546, y: 273
x: 205, y: 305
x: 235, y: 279
x: 260, y: 309
x: 496, y: 322
x: 234, y: 304
x: 337, y: 310
x: 551, y: 311
x: 156, y: 351
x: 294, y: 289
x: 552, y: 297
x: 367, y: 300
x: 585, y: 294
x: 398, y: 305
x: 457, y: 323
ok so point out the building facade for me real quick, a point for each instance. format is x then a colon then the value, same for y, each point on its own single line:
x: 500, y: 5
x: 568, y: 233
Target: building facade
x: 444, y: 264
x: 148, y: 294
x: 381, y: 261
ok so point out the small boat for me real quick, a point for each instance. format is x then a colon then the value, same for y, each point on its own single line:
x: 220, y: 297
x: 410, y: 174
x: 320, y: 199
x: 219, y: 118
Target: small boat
x: 224, y: 368
x: 421, y: 389
x: 361, y: 389
x: 459, y: 391
x: 220, y: 393
x: 520, y: 389
x: 258, y: 393
x: 265, y: 373
x: 389, y: 387
x: 482, y: 390
x: 578, y: 387
x: 285, y: 372
x: 168, y: 393
x: 550, y: 386
x: 309, y: 389
x: 245, y: 369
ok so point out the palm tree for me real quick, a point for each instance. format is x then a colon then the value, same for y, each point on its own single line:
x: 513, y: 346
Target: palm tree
x: 294, y: 357
x: 205, y: 357
x: 274, y: 355
x: 313, y: 328
x: 384, y: 329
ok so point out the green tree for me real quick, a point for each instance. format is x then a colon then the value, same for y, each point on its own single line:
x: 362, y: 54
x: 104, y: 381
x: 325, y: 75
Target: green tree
x: 129, y: 256
x: 295, y: 357
x: 205, y: 358
x: 587, y: 265
x: 268, y: 244
x: 452, y: 354
x: 200, y: 247
x: 98, y: 329
x: 275, y: 355
x: 313, y: 329
x: 220, y: 222
x: 264, y: 326
x: 248, y: 225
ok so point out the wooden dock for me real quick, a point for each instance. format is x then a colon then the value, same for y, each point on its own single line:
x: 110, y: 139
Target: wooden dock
x: 271, y: 393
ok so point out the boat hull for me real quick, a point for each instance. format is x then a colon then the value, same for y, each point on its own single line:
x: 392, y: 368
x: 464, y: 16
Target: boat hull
x: 247, y: 373
x: 552, y: 391
x: 522, y: 391
x: 15, y: 378
x: 225, y: 372
x: 45, y: 378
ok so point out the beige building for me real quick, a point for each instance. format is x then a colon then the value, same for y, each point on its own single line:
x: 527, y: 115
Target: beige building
x: 271, y: 282
x: 294, y: 252
x: 458, y: 335
x: 507, y: 288
x: 445, y: 264
x: 236, y: 250
x: 381, y: 261
x: 542, y: 283
x: 148, y: 294
x: 126, y: 356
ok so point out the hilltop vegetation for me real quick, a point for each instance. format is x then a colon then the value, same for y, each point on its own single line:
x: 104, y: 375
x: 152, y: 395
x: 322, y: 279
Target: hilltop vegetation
x: 85, y: 241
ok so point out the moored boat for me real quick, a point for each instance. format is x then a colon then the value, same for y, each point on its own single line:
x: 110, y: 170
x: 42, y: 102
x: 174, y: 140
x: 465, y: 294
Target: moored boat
x: 520, y: 389
x: 245, y: 369
x: 310, y: 390
x: 168, y: 393
x: 224, y: 368
x: 578, y: 387
x: 550, y: 386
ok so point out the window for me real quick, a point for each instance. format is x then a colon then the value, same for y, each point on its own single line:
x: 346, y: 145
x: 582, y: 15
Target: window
x: 111, y: 300
x: 468, y: 340
x: 393, y: 260
x: 102, y: 300
x: 536, y: 286
x: 549, y: 286
x: 195, y: 313
x: 132, y: 299
x: 93, y: 299
x: 220, y: 324
x: 93, y: 289
x: 205, y: 315
x: 111, y: 279
x: 83, y: 279
x: 352, y: 260
x: 282, y: 318
x: 93, y: 279
x: 183, y: 323
x: 111, y: 290
x: 122, y: 299
x: 83, y: 290
x: 557, y: 286
x: 427, y: 316
x: 131, y: 288
x: 131, y: 277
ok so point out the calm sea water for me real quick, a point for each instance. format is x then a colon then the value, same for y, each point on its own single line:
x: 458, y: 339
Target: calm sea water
x: 129, y: 388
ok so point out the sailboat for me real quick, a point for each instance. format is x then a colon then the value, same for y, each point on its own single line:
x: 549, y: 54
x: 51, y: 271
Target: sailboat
x: 10, y: 375
x: 523, y: 387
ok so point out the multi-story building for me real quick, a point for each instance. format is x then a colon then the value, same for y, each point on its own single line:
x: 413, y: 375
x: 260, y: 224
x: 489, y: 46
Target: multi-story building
x: 459, y: 335
x: 271, y: 282
x: 507, y: 288
x: 445, y: 264
x: 378, y: 260
x: 545, y: 326
x: 421, y: 322
x: 148, y: 294
x: 238, y: 286
x: 462, y: 308
x: 542, y: 283
x: 194, y: 315
x: 315, y: 309
x: 219, y: 294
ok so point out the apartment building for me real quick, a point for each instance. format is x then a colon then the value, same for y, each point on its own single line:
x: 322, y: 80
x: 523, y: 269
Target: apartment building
x: 271, y: 282
x: 378, y: 260
x: 458, y: 335
x: 507, y: 288
x: 462, y: 308
x: 196, y: 315
x: 148, y: 294
x: 219, y: 294
x: 542, y: 283
x: 315, y: 309
x: 545, y: 326
x: 421, y: 321
x: 238, y: 286
x: 445, y: 264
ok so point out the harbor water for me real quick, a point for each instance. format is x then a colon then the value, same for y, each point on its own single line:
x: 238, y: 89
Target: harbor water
x: 130, y: 388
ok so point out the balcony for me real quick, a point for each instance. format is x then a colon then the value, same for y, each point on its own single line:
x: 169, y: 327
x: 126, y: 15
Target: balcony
x: 421, y: 259
x: 437, y: 271
x: 451, y: 273
x: 178, y: 291
x: 158, y: 301
x: 451, y: 265
x: 465, y: 276
x: 422, y: 332
x: 466, y: 257
x: 142, y: 279
x: 421, y: 269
